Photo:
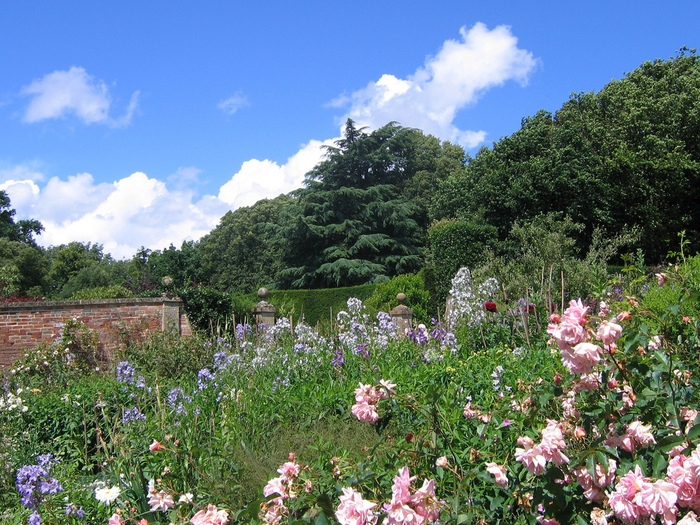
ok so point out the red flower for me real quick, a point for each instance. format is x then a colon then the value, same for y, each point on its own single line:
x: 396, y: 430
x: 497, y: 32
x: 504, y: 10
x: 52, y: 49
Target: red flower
x: 490, y: 306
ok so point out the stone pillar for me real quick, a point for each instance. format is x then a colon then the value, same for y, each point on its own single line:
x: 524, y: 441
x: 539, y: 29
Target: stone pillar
x: 264, y: 312
x: 171, y: 314
x: 402, y: 315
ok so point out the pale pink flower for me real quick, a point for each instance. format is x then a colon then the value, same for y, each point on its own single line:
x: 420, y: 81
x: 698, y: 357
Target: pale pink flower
x: 276, y: 486
x: 115, y: 519
x: 399, y: 513
x: 531, y: 458
x: 442, y: 462
x: 155, y: 446
x: 623, y: 316
x: 553, y: 443
x: 401, y: 489
x: 499, y: 473
x: 470, y: 411
x: 581, y: 358
x: 389, y: 386
x: 160, y: 500
x: 658, y: 498
x: 576, y: 310
x: 654, y: 343
x: 547, y: 521
x: 608, y: 332
x: 289, y: 470
x: 425, y: 502
x: 211, y: 516
x: 689, y: 519
x: 366, y: 394
x: 641, y: 434
x: 354, y: 510
x: 365, y: 412
x: 603, y: 309
x: 568, y: 333
x: 661, y: 278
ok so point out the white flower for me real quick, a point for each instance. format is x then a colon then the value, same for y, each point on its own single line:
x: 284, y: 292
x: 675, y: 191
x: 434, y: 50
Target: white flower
x: 107, y: 494
x: 186, y: 498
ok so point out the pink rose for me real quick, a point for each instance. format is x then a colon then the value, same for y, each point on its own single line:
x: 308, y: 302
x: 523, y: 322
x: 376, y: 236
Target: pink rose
x: 354, y: 510
x: 155, y: 446
x: 211, y: 516
x: 608, y: 332
x: 115, y: 519
x: 498, y: 472
x: 365, y: 412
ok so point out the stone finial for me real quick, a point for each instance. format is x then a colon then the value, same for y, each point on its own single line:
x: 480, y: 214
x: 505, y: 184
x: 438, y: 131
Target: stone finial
x: 264, y: 312
x: 402, y: 315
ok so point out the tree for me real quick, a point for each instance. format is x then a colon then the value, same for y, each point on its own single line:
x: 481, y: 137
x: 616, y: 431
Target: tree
x: 627, y: 156
x: 241, y: 253
x: 22, y: 268
x: 20, y: 231
x: 351, y: 224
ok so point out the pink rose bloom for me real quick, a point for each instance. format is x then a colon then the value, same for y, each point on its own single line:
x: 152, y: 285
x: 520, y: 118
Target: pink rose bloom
x: 389, y: 386
x: 471, y: 412
x: 581, y: 359
x: 682, y: 473
x: 160, y: 500
x: 498, y: 472
x: 576, y: 310
x: 689, y: 519
x: 289, y: 470
x: 641, y: 434
x: 661, y: 278
x: 401, y: 489
x: 442, y: 462
x: 155, y: 446
x: 366, y: 394
x: 532, y: 459
x: 658, y: 498
x: 115, y: 519
x: 425, y: 502
x: 399, y: 513
x: 654, y: 343
x: 275, y: 486
x: 553, y: 443
x: 354, y: 510
x: 365, y: 412
x: 608, y: 332
x: 547, y: 521
x: 211, y: 516
x: 567, y: 333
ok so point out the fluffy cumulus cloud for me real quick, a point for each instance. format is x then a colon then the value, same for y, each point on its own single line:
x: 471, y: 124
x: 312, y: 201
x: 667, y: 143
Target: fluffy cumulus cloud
x: 138, y: 210
x: 261, y: 179
x: 74, y: 91
x: 454, y: 78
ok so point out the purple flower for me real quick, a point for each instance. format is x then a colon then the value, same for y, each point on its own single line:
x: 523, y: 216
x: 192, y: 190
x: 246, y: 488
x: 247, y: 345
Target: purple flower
x: 132, y: 414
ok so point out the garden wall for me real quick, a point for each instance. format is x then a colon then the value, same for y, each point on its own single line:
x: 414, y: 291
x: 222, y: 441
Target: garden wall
x: 25, y: 325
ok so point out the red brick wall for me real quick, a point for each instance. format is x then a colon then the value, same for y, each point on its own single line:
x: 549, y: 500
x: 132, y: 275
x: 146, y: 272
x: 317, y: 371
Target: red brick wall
x: 24, y: 325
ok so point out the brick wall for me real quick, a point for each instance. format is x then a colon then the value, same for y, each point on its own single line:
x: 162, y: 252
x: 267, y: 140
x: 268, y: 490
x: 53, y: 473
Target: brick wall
x: 24, y: 325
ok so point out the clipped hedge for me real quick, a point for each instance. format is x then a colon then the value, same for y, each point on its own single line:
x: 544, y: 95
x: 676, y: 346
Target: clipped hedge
x: 318, y: 305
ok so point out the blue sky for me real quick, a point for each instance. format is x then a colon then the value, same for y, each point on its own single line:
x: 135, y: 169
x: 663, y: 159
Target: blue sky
x: 141, y: 123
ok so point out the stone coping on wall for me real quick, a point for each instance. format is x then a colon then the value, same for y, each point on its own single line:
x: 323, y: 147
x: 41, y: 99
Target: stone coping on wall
x: 51, y: 305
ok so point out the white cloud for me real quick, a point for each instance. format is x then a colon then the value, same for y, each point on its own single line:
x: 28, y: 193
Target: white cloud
x: 74, y: 92
x: 460, y: 73
x: 233, y: 104
x: 261, y: 179
x: 140, y: 211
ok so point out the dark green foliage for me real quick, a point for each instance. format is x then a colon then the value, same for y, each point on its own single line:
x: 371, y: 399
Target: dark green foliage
x: 455, y: 243
x: 102, y: 292
x: 208, y: 310
x: 625, y: 156
x: 417, y: 297
x: 20, y: 231
x: 22, y: 268
x: 240, y: 254
x: 318, y: 305
x: 351, y: 224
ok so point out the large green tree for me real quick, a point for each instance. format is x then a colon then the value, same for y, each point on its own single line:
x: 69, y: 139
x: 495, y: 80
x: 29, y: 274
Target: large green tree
x: 626, y: 156
x: 241, y: 254
x: 352, y: 223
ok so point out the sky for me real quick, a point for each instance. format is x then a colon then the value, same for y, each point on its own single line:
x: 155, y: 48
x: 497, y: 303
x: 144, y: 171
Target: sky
x: 140, y: 124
